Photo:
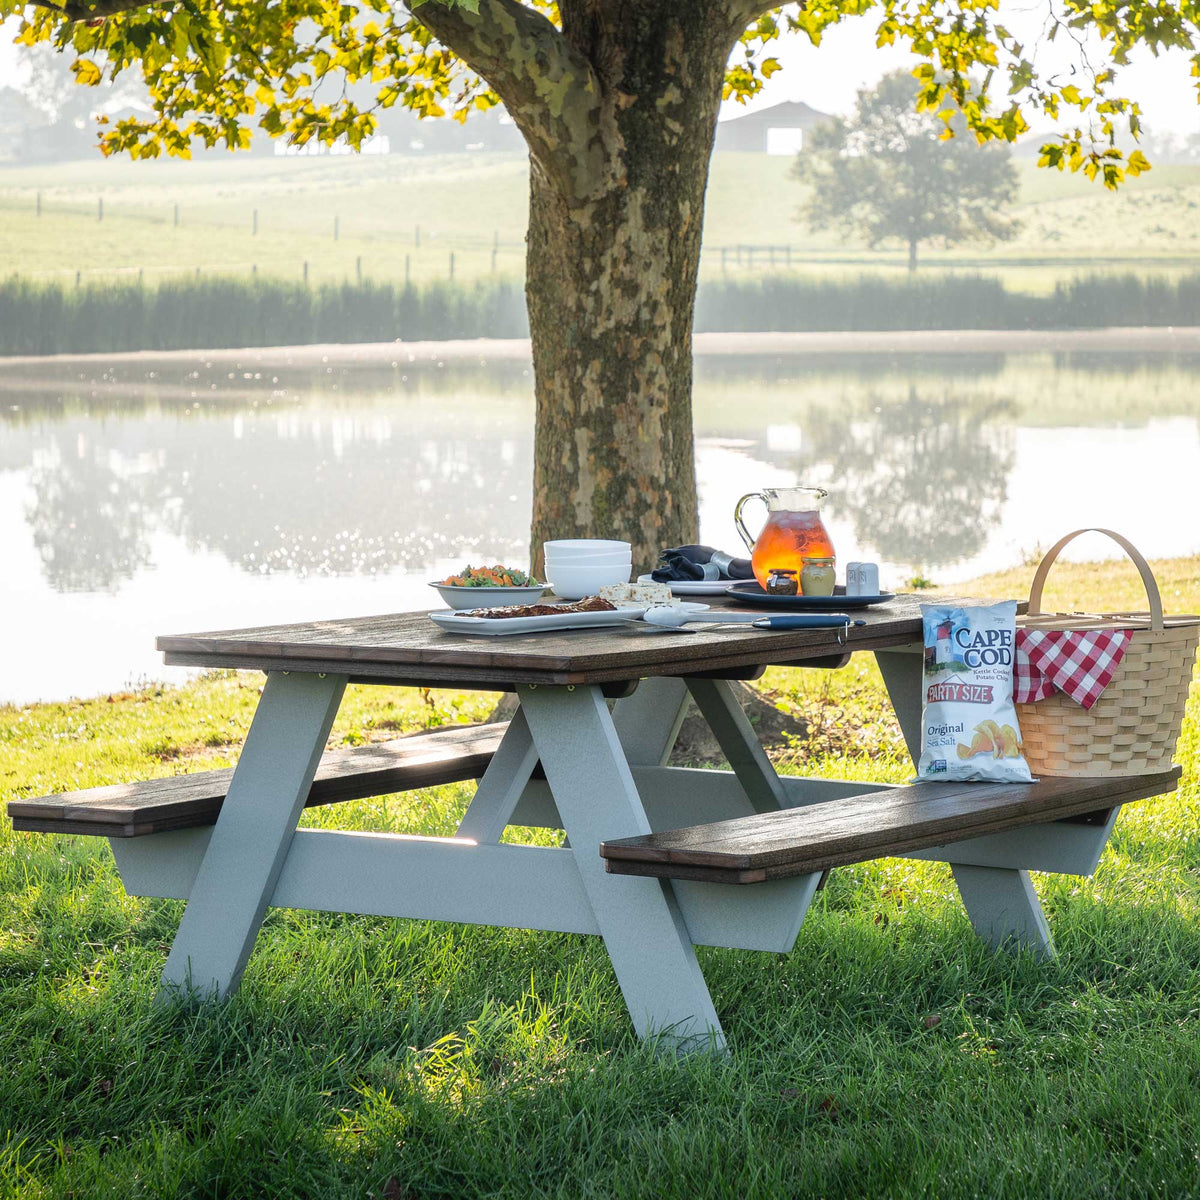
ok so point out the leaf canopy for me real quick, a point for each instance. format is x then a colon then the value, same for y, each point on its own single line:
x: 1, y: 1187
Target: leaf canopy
x: 215, y: 69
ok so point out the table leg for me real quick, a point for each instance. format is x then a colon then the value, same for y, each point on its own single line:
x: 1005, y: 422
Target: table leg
x: 735, y: 735
x: 902, y: 672
x: 1003, y: 908
x: 639, y: 919
x: 496, y: 797
x: 252, y: 835
x: 648, y: 721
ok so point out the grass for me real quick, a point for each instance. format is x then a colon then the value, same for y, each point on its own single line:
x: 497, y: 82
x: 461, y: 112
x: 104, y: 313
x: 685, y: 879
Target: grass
x: 469, y: 204
x: 888, y: 1054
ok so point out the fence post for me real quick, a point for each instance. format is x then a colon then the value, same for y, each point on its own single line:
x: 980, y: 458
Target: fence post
x: 78, y: 278
x: 254, y: 270
x: 306, y: 271
x: 358, y: 268
x: 407, y: 268
x: 451, y: 266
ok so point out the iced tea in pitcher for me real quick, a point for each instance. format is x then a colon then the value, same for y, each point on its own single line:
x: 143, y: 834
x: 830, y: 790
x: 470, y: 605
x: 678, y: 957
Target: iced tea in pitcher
x: 793, y: 531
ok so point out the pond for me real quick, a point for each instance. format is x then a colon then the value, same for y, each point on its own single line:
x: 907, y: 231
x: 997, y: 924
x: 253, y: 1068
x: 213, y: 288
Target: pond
x: 143, y: 495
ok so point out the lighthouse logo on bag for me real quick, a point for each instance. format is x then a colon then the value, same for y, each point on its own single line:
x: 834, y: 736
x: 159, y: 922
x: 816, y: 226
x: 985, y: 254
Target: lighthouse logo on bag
x: 969, y: 730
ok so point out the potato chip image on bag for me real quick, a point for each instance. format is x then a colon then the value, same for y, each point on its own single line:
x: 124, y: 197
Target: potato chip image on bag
x: 969, y: 729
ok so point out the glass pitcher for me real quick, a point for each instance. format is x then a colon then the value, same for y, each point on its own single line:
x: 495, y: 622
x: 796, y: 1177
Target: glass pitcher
x: 792, y: 533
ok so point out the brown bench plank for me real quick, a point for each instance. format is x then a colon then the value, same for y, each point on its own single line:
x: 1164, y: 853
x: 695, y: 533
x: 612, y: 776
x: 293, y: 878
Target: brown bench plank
x: 447, y: 755
x: 857, y: 828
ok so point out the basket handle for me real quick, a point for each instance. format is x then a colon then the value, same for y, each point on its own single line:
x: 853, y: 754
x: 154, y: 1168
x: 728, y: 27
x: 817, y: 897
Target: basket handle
x: 1148, y: 581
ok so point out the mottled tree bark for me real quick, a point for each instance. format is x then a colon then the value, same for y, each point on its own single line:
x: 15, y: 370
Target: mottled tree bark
x: 619, y: 110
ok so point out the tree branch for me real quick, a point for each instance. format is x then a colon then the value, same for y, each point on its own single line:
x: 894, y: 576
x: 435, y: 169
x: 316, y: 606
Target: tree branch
x: 550, y: 90
x: 97, y: 10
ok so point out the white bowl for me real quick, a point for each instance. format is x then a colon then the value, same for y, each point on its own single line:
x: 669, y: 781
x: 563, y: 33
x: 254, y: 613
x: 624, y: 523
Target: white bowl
x: 582, y: 547
x: 488, y: 597
x: 573, y: 583
x: 589, y: 560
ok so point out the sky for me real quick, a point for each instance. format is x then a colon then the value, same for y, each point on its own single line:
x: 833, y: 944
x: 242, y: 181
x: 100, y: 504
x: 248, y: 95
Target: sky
x: 829, y: 76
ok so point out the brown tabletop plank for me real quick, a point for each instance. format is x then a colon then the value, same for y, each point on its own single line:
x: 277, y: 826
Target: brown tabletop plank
x: 857, y: 828
x: 409, y: 646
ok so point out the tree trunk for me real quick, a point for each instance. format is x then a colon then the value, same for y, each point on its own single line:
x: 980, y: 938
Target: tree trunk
x: 611, y: 283
x: 912, y: 256
x: 619, y: 108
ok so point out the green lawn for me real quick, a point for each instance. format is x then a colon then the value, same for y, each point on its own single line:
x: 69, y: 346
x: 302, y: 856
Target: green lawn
x: 465, y: 205
x: 888, y: 1054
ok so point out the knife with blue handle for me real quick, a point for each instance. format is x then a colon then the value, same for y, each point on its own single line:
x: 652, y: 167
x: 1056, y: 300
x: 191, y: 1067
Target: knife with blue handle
x: 807, y: 621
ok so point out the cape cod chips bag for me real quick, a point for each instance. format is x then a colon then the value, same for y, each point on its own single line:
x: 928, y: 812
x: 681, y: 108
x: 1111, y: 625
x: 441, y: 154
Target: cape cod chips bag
x: 970, y: 728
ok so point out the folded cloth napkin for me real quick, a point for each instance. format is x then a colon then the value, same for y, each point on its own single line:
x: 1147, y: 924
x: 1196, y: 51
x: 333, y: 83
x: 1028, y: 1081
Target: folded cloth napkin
x: 699, y: 562
x: 1080, y: 663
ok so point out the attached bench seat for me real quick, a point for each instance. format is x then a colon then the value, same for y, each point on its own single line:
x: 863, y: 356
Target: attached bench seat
x: 125, y: 810
x: 816, y: 837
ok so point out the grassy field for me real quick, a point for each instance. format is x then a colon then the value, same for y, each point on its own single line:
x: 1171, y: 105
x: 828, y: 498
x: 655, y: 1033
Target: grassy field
x: 889, y: 1054
x: 469, y: 206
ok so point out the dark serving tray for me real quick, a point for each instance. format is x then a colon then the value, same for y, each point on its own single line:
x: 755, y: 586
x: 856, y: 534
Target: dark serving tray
x: 749, y: 592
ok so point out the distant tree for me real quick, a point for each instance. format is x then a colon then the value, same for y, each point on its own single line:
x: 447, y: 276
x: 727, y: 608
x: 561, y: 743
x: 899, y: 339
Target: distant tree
x: 890, y: 173
x: 60, y: 121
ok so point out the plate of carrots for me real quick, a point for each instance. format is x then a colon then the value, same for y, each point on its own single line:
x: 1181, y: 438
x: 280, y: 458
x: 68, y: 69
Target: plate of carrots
x: 475, y: 587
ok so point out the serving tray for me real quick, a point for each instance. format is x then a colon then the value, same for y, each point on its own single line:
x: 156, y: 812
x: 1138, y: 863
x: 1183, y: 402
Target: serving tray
x: 461, y: 622
x: 693, y: 587
x: 750, y: 592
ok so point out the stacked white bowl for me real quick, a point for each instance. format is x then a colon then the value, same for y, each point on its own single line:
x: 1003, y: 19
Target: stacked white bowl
x: 578, y: 567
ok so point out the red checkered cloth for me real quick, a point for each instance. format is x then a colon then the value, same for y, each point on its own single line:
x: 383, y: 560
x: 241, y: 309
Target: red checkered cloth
x: 1078, y: 662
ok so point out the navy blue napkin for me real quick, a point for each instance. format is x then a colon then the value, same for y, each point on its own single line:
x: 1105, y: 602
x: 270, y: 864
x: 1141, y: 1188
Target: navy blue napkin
x: 683, y: 563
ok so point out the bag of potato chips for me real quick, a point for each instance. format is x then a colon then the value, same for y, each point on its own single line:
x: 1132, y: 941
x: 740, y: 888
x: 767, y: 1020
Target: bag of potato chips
x: 970, y: 726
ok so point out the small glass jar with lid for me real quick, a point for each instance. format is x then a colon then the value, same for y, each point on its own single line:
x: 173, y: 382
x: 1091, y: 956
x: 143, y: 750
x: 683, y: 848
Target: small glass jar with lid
x: 817, y: 576
x: 782, y: 582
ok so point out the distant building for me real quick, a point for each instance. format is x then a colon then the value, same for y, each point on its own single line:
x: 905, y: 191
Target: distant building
x: 781, y: 129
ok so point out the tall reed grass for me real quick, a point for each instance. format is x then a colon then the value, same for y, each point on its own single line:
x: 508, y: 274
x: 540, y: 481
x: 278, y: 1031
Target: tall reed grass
x: 202, y: 314
x: 210, y: 314
x: 943, y: 302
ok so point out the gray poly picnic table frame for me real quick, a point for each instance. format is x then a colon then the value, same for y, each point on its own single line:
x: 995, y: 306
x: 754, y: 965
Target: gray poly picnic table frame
x: 605, y: 777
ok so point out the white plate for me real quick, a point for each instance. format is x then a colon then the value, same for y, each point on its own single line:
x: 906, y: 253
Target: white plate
x: 694, y: 587
x: 459, y: 622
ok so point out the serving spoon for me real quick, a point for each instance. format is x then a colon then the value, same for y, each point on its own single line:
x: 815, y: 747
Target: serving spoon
x: 666, y: 617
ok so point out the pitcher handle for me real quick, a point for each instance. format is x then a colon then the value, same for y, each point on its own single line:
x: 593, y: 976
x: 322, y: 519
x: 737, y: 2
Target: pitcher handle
x: 737, y: 517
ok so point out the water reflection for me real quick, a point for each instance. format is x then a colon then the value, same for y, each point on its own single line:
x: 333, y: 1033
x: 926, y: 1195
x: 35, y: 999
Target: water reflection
x: 149, y: 496
x: 922, y: 479
x: 89, y: 520
x: 357, y: 494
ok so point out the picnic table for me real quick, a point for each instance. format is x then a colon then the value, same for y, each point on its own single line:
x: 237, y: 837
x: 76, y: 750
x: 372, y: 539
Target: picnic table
x: 651, y: 850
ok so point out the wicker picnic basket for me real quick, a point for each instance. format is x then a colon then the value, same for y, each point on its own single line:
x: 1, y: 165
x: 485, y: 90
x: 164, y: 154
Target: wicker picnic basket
x: 1132, y: 729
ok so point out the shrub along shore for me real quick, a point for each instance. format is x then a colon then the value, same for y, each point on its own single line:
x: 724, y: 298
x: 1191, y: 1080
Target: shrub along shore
x: 889, y: 1054
x: 225, y: 313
